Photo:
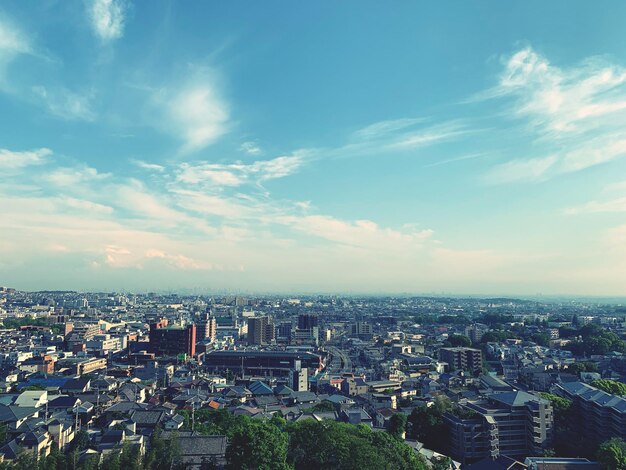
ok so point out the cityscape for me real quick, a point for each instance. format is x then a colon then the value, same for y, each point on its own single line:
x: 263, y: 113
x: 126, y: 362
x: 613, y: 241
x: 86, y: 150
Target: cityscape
x: 315, y: 235
x: 120, y: 380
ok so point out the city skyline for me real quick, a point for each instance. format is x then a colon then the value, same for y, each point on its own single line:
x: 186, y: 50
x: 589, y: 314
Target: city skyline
x: 314, y: 147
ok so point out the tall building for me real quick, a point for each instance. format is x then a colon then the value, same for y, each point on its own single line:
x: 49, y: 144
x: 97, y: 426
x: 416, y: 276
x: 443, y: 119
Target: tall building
x: 171, y: 341
x: 207, y: 327
x: 462, y: 358
x: 260, y: 330
x: 515, y: 424
x: 307, y: 321
x: 299, y: 378
x: 597, y: 415
x: 361, y: 330
x: 307, y: 330
x: 78, y: 334
x: 476, y: 331
x: 284, y: 331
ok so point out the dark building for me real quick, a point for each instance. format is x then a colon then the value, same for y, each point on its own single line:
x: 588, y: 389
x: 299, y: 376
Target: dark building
x: 597, y: 415
x: 171, y: 341
x: 260, y: 330
x: 462, y: 358
x: 273, y: 363
x: 307, y: 321
x: 284, y: 331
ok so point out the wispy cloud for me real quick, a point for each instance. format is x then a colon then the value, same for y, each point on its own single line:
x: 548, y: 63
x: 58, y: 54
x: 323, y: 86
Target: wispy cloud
x: 529, y: 170
x: 72, y: 176
x: 576, y: 115
x: 461, y: 158
x: 360, y: 233
x: 561, y: 100
x: 381, y: 129
x: 251, y: 148
x: 107, y: 18
x: 236, y: 174
x: 148, y: 166
x: 13, y: 43
x: 400, y: 135
x: 66, y: 104
x: 13, y: 160
x: 612, y: 205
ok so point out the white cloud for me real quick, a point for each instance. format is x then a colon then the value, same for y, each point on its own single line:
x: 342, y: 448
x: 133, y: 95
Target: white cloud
x: 12, y: 41
x: 196, y: 114
x: 398, y: 135
x: 251, y: 148
x: 236, y: 174
x: 613, y: 205
x: 278, y: 167
x: 107, y: 18
x: 66, y: 104
x: 430, y: 135
x: 563, y: 100
x: 386, y: 128
x: 176, y: 260
x: 209, y: 173
x: 595, y: 151
x: 149, y: 166
x: 360, y: 233
x: 534, y: 169
x: 201, y: 203
x: 14, y: 160
x: 71, y: 176
x: 576, y: 115
x: 89, y: 206
x: 134, y: 197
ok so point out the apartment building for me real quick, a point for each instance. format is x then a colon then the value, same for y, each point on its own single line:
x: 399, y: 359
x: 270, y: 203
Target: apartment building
x: 171, y: 341
x: 515, y: 424
x: 462, y: 358
x: 598, y: 415
x: 261, y: 330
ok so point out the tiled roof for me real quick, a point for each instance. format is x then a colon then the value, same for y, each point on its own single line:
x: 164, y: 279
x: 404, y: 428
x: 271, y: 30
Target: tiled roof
x: 592, y: 394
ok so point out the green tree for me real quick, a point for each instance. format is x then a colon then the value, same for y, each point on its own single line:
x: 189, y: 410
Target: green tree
x: 612, y: 454
x: 441, y: 463
x: 459, y: 340
x: 329, y: 444
x: 25, y: 461
x: 426, y: 425
x: 325, y: 405
x: 257, y: 445
x: 130, y: 458
x: 542, y: 339
x: 164, y: 454
x: 81, y: 441
x: 610, y: 386
x: 397, y: 425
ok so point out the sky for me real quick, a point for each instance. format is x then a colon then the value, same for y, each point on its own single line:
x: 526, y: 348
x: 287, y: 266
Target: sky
x: 302, y: 147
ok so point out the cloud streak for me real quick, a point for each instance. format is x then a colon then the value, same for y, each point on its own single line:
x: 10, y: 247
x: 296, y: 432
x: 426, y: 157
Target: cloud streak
x: 107, y: 18
x: 575, y: 115
x: 66, y: 104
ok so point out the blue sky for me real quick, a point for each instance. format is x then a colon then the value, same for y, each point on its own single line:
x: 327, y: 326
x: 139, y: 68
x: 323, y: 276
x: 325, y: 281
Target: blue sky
x: 470, y: 148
